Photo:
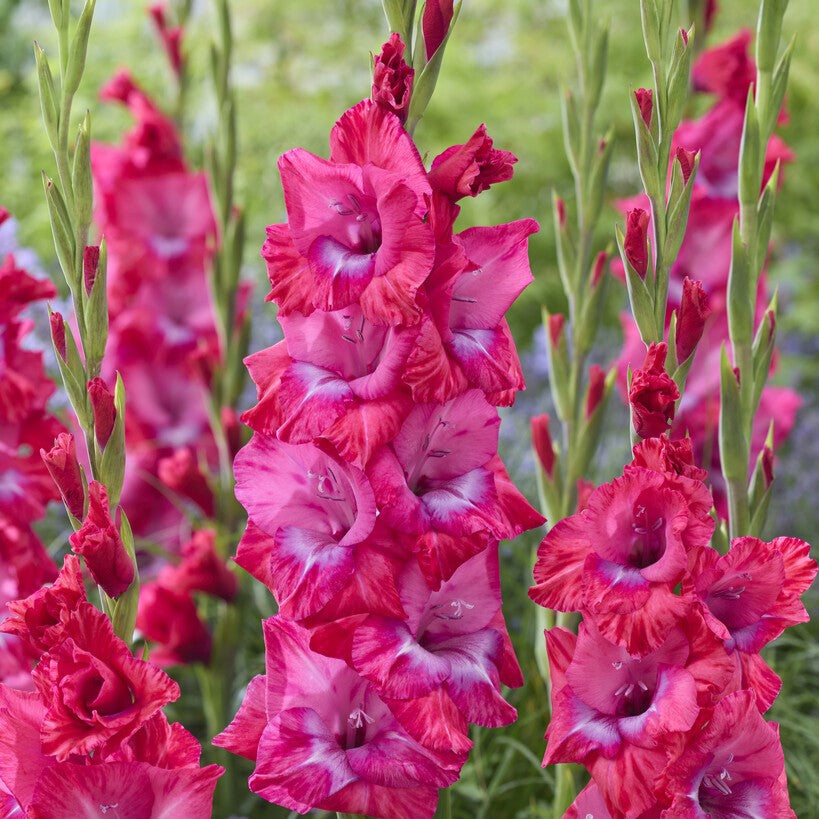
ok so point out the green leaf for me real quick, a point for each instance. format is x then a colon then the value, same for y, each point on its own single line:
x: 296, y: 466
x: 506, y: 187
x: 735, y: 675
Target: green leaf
x: 79, y: 49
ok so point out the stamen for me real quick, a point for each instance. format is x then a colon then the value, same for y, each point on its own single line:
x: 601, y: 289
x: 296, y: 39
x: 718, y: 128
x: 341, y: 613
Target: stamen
x: 642, y: 685
x: 617, y: 665
x: 458, y: 605
x: 358, y: 717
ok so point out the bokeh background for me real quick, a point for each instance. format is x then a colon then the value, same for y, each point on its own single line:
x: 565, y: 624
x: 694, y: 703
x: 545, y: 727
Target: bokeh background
x: 298, y: 66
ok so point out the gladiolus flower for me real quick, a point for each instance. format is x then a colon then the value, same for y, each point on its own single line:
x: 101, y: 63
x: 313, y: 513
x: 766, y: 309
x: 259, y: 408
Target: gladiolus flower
x: 201, y: 569
x: 169, y: 619
x: 98, y: 541
x: 96, y: 693
x: 653, y: 394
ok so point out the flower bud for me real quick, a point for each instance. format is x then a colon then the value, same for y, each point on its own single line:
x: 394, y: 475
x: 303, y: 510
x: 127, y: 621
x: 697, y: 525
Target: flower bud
x: 557, y: 322
x: 645, y: 99
x: 599, y: 268
x: 560, y: 209
x: 653, y: 394
x: 691, y: 317
x: 4, y: 215
x: 64, y: 468
x: 767, y: 465
x: 182, y: 474
x: 392, y: 78
x: 542, y: 443
x: 636, y: 241
x: 469, y: 169
x: 58, y: 334
x: 435, y: 24
x: 105, y: 413
x: 99, y: 542
x: 90, y: 261
x: 686, y: 160
x: 597, y: 386
x: 171, y: 36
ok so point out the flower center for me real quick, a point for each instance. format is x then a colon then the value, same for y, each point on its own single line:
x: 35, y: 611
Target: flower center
x: 716, y: 784
x: 454, y: 610
x: 427, y: 450
x: 633, y: 698
x: 365, y: 231
x: 648, y: 545
x: 357, y: 723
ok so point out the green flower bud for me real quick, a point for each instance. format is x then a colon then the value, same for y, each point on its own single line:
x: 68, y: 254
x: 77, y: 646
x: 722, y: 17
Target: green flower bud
x: 768, y: 33
x: 79, y: 49
x: 112, y: 462
x: 642, y: 305
x: 646, y: 152
x: 96, y: 313
x: 64, y: 242
x: 733, y: 448
x: 651, y: 29
x: 124, y: 608
x: 749, y: 155
x: 48, y: 96
x: 740, y: 296
x: 81, y: 176
x: 558, y: 356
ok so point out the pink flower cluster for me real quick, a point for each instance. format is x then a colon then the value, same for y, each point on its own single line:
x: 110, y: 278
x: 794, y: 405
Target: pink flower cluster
x: 660, y: 694
x: 26, y: 427
x: 156, y: 216
x: 92, y: 737
x: 725, y: 72
x: 375, y: 495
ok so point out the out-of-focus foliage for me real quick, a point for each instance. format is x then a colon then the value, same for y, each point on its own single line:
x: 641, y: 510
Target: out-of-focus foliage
x: 298, y: 66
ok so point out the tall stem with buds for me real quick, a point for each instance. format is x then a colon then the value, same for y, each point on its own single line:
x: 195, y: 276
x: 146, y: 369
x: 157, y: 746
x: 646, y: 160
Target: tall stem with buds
x: 741, y: 386
x: 70, y: 205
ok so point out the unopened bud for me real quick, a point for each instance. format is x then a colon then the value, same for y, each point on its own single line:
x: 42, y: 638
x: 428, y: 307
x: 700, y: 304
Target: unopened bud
x: 542, y: 443
x: 105, y: 413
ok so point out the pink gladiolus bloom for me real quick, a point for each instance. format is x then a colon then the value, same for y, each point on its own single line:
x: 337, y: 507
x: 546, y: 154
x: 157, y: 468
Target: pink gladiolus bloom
x: 465, y: 341
x: 201, y: 569
x: 322, y: 738
x: 95, y: 692
x: 447, y: 654
x: 438, y: 480
x: 749, y: 597
x: 730, y: 766
x: 314, y: 515
x: 620, y: 558
x: 358, y: 232
x: 726, y: 70
x: 39, y: 620
x: 611, y: 710
x: 153, y: 774
x: 653, y: 394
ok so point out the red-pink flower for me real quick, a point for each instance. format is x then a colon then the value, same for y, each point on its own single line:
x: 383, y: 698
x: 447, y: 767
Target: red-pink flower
x: 392, y: 78
x: 322, y: 738
x: 169, y: 620
x: 731, y: 766
x: 95, y: 692
x: 105, y: 413
x: 182, y: 474
x: 621, y: 557
x: 311, y: 525
x: 201, y: 569
x: 653, y: 394
x: 645, y: 101
x: 39, y: 620
x: 691, y: 317
x: 99, y: 542
x: 435, y: 24
x: 471, y: 168
x: 726, y: 70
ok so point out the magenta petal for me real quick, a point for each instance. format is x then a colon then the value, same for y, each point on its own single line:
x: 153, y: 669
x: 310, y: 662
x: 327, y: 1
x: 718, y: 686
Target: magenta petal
x: 474, y: 681
x: 465, y: 504
x: 576, y: 731
x: 440, y: 442
x: 341, y: 272
x: 366, y: 799
x: 386, y: 652
x: 482, y: 296
x: 242, y: 736
x: 391, y: 758
x: 299, y: 756
x: 488, y: 358
x: 21, y: 757
x: 309, y: 568
x: 311, y: 399
x: 612, y: 587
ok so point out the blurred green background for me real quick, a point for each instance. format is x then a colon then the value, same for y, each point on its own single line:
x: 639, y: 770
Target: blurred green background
x: 298, y: 66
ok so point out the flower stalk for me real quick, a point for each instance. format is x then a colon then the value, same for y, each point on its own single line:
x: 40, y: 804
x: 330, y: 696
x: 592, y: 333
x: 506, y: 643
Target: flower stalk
x: 69, y: 199
x: 752, y: 350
